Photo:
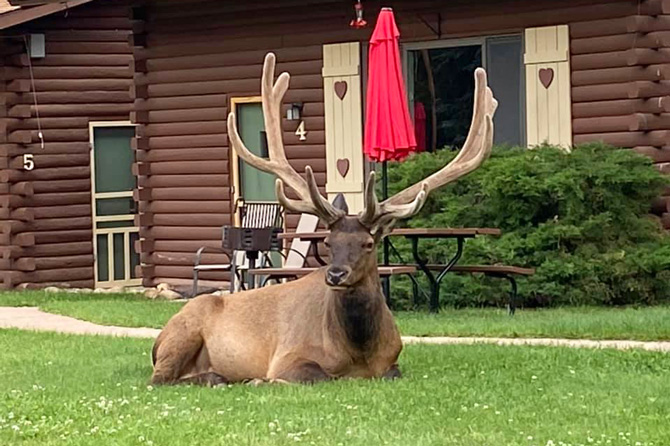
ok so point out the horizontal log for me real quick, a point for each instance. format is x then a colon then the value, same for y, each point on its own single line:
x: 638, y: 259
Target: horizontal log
x: 186, y: 167
x: 647, y: 56
x: 220, y: 87
x: 63, y: 211
x: 77, y: 85
x: 21, y: 214
x: 181, y: 272
x: 74, y: 235
x: 620, y: 75
x: 599, y: 28
x: 647, y: 24
x: 658, y: 154
x: 605, y: 92
x: 626, y: 139
x: 52, y: 250
x: 52, y: 123
x: 186, y: 246
x: 155, y: 281
x: 183, y: 115
x: 50, y: 148
x: 177, y: 142
x: 94, y: 96
x: 85, y: 63
x: 646, y: 121
x: 56, y: 135
x: 183, y: 193
x: 614, y: 59
x: 61, y: 275
x: 86, y: 110
x: 181, y: 102
x: 634, y: 122
x: 182, y: 129
x: 51, y: 161
x: 87, y: 48
x: 618, y: 108
x: 191, y: 154
x: 60, y: 186
x: 59, y: 173
x: 181, y: 220
x: 58, y: 199
x: 184, y: 180
x: 50, y: 224
x: 92, y: 35
x: 619, y: 42
x: 229, y: 72
x: 41, y: 263
x: 181, y: 233
x: 645, y: 89
x: 186, y: 207
x: 185, y: 259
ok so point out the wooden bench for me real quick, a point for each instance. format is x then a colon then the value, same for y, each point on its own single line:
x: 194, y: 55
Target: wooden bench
x: 503, y: 271
x: 293, y: 273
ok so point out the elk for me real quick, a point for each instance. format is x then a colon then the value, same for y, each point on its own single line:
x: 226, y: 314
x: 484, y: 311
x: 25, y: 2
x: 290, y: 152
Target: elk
x: 332, y: 323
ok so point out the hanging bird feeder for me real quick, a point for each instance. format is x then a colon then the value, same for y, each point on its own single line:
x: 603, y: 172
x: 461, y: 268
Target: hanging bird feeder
x: 359, y: 22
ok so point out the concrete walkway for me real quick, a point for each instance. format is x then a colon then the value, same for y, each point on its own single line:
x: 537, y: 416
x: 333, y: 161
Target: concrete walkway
x: 31, y: 318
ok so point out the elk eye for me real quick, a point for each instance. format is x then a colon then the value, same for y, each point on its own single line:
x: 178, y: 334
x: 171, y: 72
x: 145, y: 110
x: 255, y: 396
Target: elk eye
x: 369, y: 245
x: 327, y: 243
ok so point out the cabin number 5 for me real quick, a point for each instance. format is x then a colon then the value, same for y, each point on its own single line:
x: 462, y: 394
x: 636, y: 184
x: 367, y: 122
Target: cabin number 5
x: 28, y: 161
x: 301, y: 132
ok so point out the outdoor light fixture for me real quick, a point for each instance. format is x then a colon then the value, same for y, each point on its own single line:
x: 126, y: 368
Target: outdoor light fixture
x: 294, y: 111
x: 359, y: 22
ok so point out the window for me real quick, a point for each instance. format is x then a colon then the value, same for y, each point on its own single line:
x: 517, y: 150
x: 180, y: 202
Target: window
x: 441, y: 88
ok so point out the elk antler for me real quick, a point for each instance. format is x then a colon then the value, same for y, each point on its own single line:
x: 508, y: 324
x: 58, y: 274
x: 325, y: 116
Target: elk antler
x: 406, y: 203
x: 311, y: 201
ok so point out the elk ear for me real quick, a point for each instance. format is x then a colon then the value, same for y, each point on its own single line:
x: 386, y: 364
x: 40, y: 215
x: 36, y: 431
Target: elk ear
x: 341, y: 203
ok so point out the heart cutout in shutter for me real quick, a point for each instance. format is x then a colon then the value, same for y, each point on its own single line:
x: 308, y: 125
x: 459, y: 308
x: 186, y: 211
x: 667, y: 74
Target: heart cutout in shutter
x: 343, y: 166
x: 546, y: 76
x: 341, y: 89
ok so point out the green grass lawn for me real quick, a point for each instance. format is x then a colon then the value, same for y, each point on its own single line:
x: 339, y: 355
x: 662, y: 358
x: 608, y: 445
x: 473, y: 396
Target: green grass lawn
x: 644, y: 323
x: 76, y: 390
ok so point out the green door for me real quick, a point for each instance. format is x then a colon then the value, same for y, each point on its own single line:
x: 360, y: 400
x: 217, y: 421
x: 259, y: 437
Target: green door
x: 255, y: 185
x: 114, y: 232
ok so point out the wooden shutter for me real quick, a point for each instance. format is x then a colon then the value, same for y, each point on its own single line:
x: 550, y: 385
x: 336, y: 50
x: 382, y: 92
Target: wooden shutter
x: 344, y: 126
x: 547, y: 59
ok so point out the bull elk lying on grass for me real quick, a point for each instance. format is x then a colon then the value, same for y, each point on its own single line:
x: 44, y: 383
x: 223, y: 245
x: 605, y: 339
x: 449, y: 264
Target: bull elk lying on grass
x: 333, y: 323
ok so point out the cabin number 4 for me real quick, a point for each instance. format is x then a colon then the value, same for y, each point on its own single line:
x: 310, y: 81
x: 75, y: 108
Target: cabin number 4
x: 301, y: 133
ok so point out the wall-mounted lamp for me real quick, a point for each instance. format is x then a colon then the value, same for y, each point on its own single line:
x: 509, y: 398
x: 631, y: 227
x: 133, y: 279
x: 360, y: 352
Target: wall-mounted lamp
x: 294, y: 111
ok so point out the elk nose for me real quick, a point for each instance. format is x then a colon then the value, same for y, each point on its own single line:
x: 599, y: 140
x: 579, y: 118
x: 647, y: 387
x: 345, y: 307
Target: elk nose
x: 335, y: 276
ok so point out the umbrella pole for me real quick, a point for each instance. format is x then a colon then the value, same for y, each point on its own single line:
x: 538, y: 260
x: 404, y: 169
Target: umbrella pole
x: 386, y: 281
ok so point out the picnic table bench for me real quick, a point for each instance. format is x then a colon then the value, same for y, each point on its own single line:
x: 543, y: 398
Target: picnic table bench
x: 415, y: 235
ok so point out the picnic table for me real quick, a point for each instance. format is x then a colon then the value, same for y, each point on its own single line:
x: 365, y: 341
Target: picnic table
x: 415, y: 235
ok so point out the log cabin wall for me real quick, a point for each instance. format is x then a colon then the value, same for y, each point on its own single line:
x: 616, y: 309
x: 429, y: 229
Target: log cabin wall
x: 191, y: 58
x: 621, y: 85
x: 85, y: 76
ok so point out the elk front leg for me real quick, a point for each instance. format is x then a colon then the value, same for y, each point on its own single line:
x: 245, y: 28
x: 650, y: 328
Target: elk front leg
x: 306, y: 372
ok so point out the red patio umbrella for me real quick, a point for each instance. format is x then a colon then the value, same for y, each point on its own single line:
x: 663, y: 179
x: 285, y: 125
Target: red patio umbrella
x: 389, y: 133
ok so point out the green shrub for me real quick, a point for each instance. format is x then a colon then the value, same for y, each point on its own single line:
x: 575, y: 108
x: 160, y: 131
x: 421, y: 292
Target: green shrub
x: 581, y: 219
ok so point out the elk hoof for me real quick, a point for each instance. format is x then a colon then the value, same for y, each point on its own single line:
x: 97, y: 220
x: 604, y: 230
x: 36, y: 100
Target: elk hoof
x: 393, y: 373
x: 255, y: 382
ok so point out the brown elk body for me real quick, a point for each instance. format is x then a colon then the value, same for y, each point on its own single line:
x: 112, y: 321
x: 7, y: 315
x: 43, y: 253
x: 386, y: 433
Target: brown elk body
x: 333, y: 323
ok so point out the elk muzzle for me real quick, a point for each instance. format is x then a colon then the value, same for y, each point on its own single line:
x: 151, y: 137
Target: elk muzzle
x: 336, y: 276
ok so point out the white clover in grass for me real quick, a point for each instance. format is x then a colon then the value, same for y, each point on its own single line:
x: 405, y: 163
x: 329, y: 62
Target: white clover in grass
x: 529, y: 438
x: 533, y: 377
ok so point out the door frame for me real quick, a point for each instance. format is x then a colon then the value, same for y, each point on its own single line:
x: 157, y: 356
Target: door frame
x: 92, y: 125
x: 235, y: 159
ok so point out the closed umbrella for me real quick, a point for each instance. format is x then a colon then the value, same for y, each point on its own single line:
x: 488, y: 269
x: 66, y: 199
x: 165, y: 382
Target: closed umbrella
x: 389, y: 133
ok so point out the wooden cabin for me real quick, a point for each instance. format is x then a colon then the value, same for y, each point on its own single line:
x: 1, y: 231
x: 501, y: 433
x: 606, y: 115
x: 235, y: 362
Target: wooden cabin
x: 114, y: 158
